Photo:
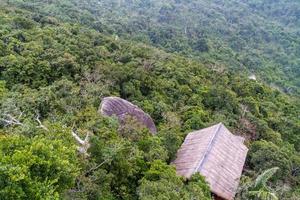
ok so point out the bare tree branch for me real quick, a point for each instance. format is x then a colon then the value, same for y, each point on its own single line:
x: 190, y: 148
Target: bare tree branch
x: 40, y: 123
x: 10, y: 120
x: 113, y: 153
x: 78, y: 139
x: 244, y: 109
x: 84, y: 144
x: 97, y: 166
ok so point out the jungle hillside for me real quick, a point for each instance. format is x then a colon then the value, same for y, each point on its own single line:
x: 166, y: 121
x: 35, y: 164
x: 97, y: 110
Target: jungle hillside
x: 184, y: 62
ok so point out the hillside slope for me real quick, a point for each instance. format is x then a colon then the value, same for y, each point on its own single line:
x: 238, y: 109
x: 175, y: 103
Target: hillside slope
x: 53, y: 77
x: 260, y: 37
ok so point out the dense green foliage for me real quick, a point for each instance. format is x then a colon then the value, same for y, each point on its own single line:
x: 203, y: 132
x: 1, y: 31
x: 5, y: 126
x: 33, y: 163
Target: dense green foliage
x: 58, y: 72
x: 35, y: 168
x: 161, y: 182
x: 261, y: 37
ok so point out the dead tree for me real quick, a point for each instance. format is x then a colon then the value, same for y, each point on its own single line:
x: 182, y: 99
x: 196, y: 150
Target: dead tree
x: 10, y: 120
x: 40, y: 123
x: 83, y: 144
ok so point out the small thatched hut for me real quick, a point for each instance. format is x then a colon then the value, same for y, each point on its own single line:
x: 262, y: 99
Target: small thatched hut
x: 121, y: 108
x: 218, y: 155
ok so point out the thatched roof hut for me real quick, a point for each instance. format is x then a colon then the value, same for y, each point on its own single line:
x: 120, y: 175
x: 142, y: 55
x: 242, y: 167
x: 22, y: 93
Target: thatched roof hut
x: 121, y: 108
x: 217, y: 154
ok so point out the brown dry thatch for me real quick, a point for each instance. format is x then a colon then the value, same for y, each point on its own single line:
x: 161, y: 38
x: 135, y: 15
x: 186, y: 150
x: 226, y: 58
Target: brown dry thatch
x: 121, y: 108
x: 217, y: 154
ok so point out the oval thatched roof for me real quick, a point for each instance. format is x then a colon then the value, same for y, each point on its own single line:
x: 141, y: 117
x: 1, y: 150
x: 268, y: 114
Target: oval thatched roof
x: 121, y: 108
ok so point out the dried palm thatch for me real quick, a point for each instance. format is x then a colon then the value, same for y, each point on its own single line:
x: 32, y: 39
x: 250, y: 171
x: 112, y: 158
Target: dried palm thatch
x: 217, y: 154
x: 121, y: 108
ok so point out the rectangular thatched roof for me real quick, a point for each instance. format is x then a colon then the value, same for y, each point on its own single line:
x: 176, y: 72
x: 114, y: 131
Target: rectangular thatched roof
x: 217, y: 154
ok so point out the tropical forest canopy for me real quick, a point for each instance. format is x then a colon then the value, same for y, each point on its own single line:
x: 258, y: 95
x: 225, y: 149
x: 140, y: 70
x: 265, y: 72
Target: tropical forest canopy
x: 258, y: 37
x: 185, y: 63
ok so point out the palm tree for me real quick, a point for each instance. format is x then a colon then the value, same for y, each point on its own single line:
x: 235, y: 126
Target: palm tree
x: 259, y: 190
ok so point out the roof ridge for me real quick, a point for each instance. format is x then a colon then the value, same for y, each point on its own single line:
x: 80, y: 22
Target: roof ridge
x: 209, y: 147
